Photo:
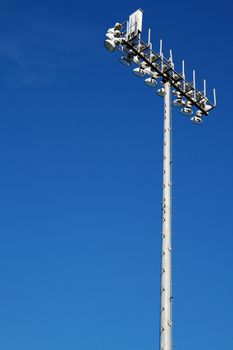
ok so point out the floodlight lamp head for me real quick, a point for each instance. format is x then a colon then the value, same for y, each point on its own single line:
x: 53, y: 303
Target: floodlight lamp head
x: 123, y: 49
x: 118, y: 26
x: 188, y: 104
x: 178, y: 84
x: 176, y: 93
x: 161, y: 92
x: 139, y: 72
x: 110, y: 45
x: 186, y: 111
x: 151, y: 82
x: 113, y: 34
x: 126, y: 61
x: 196, y: 120
x: 151, y: 72
x: 110, y: 36
x: 154, y: 75
x: 131, y: 54
x: 199, y: 113
x: 136, y: 60
x: 143, y: 65
x: 117, y: 33
x: 111, y: 30
x: 178, y: 102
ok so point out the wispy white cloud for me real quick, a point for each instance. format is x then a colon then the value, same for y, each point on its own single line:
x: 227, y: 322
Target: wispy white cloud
x: 37, y: 49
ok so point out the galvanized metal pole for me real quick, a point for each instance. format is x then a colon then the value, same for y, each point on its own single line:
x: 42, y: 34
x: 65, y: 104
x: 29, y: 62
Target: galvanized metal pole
x: 165, y: 301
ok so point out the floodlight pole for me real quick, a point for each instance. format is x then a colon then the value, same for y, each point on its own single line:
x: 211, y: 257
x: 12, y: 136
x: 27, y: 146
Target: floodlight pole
x: 128, y: 37
x: 165, y: 298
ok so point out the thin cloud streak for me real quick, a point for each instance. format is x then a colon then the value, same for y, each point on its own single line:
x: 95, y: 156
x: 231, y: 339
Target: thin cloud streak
x: 38, y: 50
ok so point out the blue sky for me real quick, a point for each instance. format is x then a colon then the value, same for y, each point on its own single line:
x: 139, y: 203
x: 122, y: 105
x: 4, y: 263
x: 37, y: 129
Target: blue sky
x: 80, y: 141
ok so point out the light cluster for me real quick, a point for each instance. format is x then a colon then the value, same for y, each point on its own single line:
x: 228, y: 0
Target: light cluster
x: 155, y: 69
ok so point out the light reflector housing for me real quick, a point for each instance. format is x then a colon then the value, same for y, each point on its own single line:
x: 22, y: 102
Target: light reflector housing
x: 151, y: 82
x: 186, y: 111
x: 160, y: 92
x: 110, y: 45
x: 117, y: 26
x: 196, y: 120
x: 110, y: 36
x: 139, y: 72
x: 178, y: 102
x: 125, y: 60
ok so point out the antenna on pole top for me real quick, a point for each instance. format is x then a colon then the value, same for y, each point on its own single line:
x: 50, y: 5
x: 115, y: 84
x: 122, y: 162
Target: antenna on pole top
x: 214, y: 93
x: 194, y: 84
x: 204, y: 92
x: 127, y: 30
x: 149, y: 35
x: 161, y: 53
x: 149, y: 43
x: 171, y: 58
x: 183, y: 75
x: 161, y: 47
x: 204, y: 87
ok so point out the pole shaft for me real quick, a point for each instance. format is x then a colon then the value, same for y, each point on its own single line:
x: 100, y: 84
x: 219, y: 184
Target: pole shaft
x: 165, y: 299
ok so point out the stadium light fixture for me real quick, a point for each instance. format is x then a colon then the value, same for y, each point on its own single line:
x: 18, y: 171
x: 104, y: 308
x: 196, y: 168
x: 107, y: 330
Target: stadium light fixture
x: 126, y: 60
x: 151, y: 82
x: 139, y: 72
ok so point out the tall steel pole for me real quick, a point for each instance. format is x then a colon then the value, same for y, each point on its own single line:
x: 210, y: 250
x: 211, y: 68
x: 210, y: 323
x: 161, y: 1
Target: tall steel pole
x: 165, y: 300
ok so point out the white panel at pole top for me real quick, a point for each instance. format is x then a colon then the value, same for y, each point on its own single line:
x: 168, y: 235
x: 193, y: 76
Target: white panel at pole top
x: 135, y: 22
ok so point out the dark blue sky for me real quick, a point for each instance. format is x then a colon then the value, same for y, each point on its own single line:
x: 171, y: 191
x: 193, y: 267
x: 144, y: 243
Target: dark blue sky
x: 80, y: 188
